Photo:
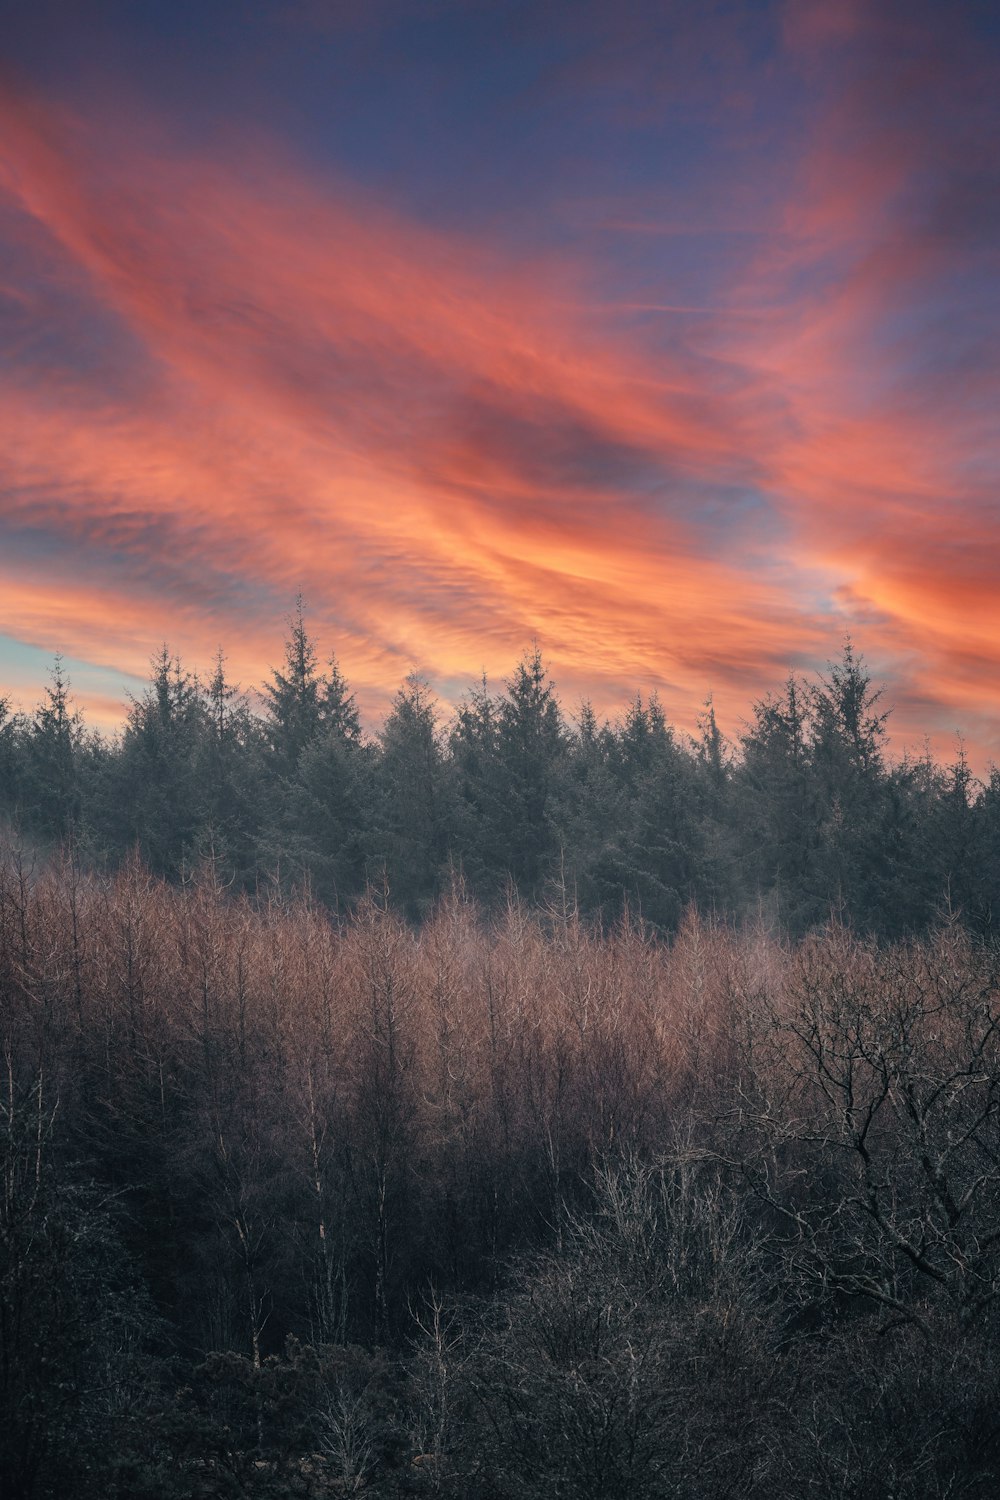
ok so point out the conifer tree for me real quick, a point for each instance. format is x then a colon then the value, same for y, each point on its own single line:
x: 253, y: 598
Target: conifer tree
x: 326, y: 832
x: 414, y: 798
x: 848, y: 725
x: 591, y: 816
x: 338, y: 710
x: 325, y: 829
x: 52, y: 771
x: 848, y: 762
x: 293, y: 696
x: 531, y: 747
x: 662, y: 849
x: 988, y: 817
x: 230, y: 771
x: 474, y: 757
x: 958, y: 851
x: 9, y: 758
x: 155, y: 795
x: 776, y: 801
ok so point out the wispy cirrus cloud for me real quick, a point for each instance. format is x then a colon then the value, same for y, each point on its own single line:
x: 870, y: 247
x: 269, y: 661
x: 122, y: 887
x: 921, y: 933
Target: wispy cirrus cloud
x: 229, y: 377
x: 331, y: 398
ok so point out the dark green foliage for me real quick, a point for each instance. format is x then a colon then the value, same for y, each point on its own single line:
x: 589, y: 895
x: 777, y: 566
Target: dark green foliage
x: 778, y: 805
x: 804, y: 817
x: 229, y: 772
x: 153, y: 797
x: 327, y: 809
x: 509, y: 756
x: 293, y: 698
x: 474, y: 755
x: 531, y: 744
x: 591, y: 816
x: 50, y: 780
x: 338, y: 712
x: 415, y: 800
x: 661, y: 850
x: 8, y: 759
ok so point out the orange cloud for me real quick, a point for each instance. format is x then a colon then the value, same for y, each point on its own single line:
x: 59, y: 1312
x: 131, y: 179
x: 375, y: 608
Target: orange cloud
x: 439, y: 449
x: 344, y: 403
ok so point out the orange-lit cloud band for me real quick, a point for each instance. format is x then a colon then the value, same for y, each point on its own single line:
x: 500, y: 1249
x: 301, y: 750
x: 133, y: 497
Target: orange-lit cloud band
x: 228, y: 380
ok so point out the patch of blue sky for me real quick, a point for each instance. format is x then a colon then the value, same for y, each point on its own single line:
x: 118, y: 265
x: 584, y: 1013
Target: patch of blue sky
x: 25, y: 670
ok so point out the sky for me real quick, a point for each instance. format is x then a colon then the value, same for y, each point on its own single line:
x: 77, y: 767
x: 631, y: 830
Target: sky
x: 665, y: 335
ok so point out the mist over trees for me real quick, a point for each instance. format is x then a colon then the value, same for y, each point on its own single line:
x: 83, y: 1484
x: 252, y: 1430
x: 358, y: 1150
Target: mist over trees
x: 804, y: 815
x: 504, y: 1109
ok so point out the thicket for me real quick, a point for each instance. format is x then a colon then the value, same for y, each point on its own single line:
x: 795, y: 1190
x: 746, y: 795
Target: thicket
x: 503, y: 1205
x: 803, y: 815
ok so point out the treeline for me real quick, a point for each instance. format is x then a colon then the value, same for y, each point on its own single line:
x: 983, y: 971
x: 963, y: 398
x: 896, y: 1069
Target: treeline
x: 803, y: 816
x: 498, y: 1206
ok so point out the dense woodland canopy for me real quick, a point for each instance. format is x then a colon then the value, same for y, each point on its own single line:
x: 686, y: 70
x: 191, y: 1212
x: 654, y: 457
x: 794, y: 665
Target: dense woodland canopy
x: 497, y: 1207
x: 805, y: 815
x: 506, y: 1110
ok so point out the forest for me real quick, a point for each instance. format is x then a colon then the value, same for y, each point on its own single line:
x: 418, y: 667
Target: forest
x: 804, y: 815
x: 513, y: 1108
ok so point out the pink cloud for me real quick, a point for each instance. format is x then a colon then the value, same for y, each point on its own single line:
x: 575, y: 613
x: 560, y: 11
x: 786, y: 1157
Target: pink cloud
x: 449, y: 456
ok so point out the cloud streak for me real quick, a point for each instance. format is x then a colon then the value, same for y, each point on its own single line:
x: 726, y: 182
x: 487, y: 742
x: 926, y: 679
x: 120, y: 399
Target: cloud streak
x: 228, y: 377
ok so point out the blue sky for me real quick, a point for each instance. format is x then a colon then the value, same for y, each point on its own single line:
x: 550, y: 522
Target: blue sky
x: 664, y: 334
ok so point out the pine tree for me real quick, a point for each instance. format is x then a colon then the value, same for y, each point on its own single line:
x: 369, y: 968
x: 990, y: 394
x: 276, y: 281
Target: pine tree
x: 230, y: 775
x: 322, y: 830
x: 718, y: 880
x: 531, y: 748
x: 662, y: 851
x: 959, y: 851
x: 9, y: 759
x: 988, y: 817
x: 776, y: 801
x: 325, y: 836
x: 52, y: 771
x: 293, y: 697
x: 590, y: 816
x: 643, y: 739
x: 155, y: 797
x: 847, y: 753
x: 480, y: 810
x: 338, y: 710
x: 415, y: 805
x: 848, y: 725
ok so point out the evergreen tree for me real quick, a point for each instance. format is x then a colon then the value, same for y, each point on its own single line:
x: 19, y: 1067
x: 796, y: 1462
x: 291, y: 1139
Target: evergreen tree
x: 53, y: 744
x: 662, y: 851
x: 154, y: 795
x: 415, y: 811
x: 480, y: 810
x: 326, y: 830
x: 958, y: 851
x: 718, y: 880
x: 848, y: 761
x: 711, y: 749
x: 590, y: 815
x: 644, y: 739
x: 776, y: 801
x: 9, y: 759
x: 338, y: 711
x: 229, y: 773
x: 531, y: 746
x: 848, y: 725
x: 326, y: 802
x: 293, y: 697
x: 988, y: 815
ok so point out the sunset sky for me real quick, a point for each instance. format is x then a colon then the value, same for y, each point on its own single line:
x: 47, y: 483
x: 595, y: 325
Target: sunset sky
x: 666, y: 334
